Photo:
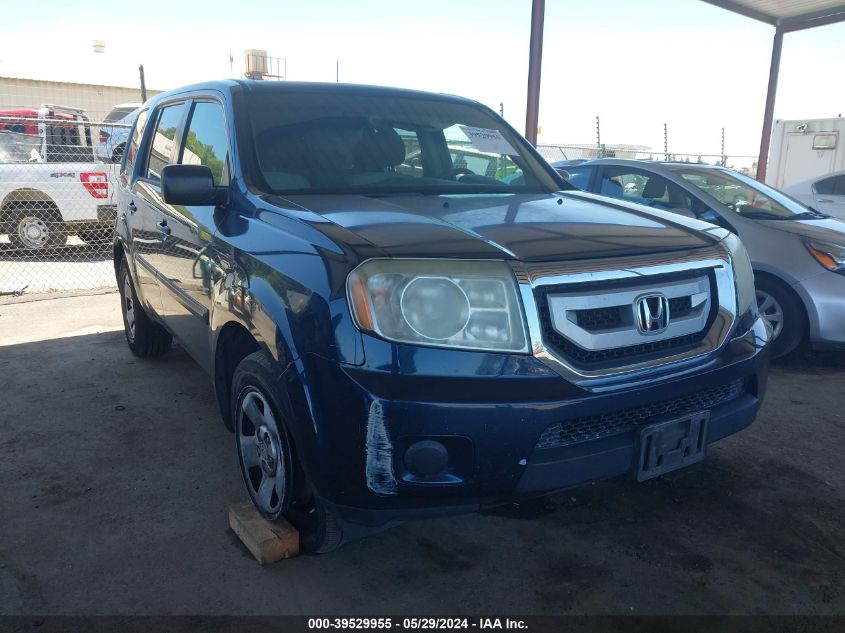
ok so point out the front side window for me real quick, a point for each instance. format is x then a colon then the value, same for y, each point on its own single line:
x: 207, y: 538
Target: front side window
x: 132, y: 149
x: 163, y: 141
x: 380, y: 145
x: 745, y: 196
x: 577, y: 176
x: 644, y: 188
x: 205, y: 143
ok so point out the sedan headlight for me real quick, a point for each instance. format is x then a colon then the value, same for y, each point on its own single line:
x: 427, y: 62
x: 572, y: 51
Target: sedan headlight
x: 442, y: 303
x: 831, y: 256
x: 746, y: 297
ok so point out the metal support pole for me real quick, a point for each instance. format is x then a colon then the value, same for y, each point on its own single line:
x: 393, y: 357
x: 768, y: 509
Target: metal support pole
x: 768, y: 115
x: 143, y: 85
x: 723, y: 157
x: 598, y: 132
x: 535, y: 57
x: 665, y: 142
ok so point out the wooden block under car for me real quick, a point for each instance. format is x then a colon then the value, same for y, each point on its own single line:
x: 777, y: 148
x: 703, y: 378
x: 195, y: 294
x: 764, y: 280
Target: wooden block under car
x: 268, y: 541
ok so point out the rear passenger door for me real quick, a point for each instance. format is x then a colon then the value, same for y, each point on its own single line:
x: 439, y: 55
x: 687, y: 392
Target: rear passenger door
x: 187, y: 259
x: 166, y: 121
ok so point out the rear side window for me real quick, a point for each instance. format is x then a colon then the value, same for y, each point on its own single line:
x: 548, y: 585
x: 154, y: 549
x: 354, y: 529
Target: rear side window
x: 205, y: 143
x: 117, y: 114
x: 834, y: 186
x: 163, y: 141
x: 132, y: 150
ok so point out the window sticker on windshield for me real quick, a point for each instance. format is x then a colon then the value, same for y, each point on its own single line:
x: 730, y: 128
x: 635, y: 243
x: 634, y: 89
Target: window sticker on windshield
x: 488, y: 140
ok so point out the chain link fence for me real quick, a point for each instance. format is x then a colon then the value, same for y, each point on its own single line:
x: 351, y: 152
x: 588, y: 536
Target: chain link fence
x: 554, y: 153
x: 57, y: 207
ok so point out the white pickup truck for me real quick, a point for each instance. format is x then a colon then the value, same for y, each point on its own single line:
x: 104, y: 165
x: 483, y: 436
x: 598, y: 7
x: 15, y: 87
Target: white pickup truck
x: 51, y: 186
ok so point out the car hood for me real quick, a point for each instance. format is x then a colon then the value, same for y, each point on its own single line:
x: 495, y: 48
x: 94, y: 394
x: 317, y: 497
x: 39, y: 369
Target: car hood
x: 824, y: 230
x: 526, y: 227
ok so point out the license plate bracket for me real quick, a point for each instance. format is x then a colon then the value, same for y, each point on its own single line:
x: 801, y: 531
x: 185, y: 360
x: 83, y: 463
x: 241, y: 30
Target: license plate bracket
x: 673, y: 444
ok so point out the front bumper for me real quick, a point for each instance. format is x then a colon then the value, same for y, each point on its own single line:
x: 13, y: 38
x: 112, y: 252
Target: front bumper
x: 490, y: 416
x: 824, y: 298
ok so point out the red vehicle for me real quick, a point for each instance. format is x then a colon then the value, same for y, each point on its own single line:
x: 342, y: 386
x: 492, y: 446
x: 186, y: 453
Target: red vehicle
x: 22, y: 125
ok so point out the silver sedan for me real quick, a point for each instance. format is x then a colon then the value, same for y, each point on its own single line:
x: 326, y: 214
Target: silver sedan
x: 798, y: 254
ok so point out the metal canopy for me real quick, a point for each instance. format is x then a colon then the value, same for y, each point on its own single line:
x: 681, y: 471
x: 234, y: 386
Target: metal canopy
x: 787, y: 15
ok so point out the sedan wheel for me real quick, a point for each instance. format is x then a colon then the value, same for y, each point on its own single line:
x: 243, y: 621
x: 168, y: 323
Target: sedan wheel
x: 782, y: 309
x: 771, y: 311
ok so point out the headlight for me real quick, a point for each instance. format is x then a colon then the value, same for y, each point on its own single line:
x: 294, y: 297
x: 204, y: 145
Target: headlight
x: 746, y: 297
x: 454, y: 303
x: 830, y: 256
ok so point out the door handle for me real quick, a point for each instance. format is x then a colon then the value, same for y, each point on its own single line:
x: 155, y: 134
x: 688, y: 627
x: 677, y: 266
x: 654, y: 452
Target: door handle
x: 132, y: 208
x: 162, y: 226
x: 824, y: 200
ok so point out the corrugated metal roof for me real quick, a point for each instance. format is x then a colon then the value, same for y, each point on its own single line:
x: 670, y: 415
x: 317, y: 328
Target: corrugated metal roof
x: 790, y: 15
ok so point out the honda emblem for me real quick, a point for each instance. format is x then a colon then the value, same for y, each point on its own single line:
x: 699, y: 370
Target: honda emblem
x: 651, y: 313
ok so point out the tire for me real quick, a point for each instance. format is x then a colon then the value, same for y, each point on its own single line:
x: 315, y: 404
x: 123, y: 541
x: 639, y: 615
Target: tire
x: 117, y: 154
x: 37, y: 228
x: 145, y: 337
x: 97, y: 237
x: 275, y: 482
x: 782, y: 309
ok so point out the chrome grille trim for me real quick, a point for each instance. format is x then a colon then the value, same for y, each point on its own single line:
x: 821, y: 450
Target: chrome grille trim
x: 534, y: 277
x: 564, y: 306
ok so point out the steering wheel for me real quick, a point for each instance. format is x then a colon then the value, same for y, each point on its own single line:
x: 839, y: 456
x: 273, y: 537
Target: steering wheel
x: 452, y: 174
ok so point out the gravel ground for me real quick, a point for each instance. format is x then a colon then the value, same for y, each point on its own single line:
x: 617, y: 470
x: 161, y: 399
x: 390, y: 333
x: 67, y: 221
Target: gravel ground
x: 116, y: 475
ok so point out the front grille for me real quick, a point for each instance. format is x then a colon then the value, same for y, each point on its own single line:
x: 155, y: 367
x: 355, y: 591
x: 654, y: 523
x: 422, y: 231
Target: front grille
x: 600, y: 358
x: 600, y: 318
x: 598, y: 321
x: 680, y: 306
x: 597, y: 426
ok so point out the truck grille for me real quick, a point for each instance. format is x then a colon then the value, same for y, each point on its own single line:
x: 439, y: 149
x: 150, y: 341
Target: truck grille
x: 597, y: 426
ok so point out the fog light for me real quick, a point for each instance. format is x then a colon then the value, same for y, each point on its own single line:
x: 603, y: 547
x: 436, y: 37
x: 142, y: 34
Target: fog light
x: 426, y: 458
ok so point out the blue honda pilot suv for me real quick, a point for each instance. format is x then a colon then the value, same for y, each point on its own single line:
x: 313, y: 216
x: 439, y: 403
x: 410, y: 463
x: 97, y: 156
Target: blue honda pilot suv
x: 405, y: 312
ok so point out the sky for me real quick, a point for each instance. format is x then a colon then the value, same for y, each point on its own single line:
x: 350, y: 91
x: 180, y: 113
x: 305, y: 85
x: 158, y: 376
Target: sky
x: 635, y: 64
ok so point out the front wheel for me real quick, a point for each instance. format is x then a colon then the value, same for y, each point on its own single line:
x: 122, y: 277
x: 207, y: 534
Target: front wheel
x: 781, y: 308
x: 277, y: 485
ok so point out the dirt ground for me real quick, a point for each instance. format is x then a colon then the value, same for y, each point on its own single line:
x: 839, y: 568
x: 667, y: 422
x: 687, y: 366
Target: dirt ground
x: 116, y: 475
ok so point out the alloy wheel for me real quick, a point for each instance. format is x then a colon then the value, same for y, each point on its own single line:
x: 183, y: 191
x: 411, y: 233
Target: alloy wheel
x: 771, y: 311
x: 129, y: 308
x: 262, y: 459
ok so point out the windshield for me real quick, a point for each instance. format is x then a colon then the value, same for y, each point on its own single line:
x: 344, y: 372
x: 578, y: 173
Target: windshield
x: 319, y: 142
x: 746, y: 196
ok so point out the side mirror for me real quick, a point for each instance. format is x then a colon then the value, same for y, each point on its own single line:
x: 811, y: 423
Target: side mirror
x: 191, y: 185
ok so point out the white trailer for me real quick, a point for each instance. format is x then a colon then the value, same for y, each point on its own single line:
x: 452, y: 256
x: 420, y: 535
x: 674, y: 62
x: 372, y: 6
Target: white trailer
x: 803, y: 149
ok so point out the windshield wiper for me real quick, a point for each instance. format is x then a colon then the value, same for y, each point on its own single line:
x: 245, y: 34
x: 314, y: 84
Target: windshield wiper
x: 809, y: 215
x: 762, y: 215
